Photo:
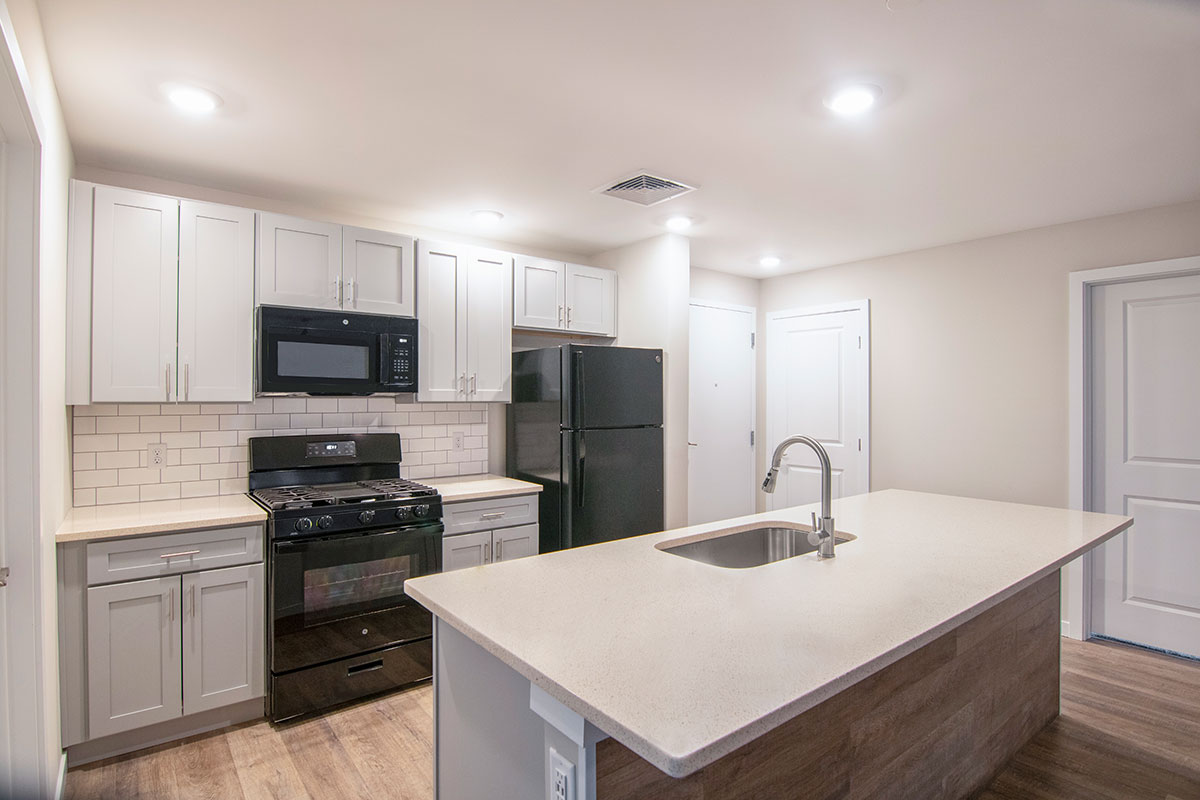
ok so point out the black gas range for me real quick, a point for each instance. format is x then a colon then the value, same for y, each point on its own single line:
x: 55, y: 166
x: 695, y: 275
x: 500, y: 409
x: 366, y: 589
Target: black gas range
x: 346, y: 531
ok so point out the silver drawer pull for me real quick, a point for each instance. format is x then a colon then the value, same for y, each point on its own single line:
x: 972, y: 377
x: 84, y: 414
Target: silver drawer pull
x: 495, y: 515
x: 180, y: 554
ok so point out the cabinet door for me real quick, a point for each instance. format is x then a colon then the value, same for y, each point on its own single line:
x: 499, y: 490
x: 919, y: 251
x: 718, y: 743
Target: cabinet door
x: 223, y: 623
x: 518, y: 542
x: 591, y: 300
x: 133, y: 655
x: 216, y: 303
x: 489, y: 326
x: 299, y: 262
x: 539, y: 293
x: 377, y: 268
x: 466, y: 550
x: 441, y: 285
x: 135, y: 239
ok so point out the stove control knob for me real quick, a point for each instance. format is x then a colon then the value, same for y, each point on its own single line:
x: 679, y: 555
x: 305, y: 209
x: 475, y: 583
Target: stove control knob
x: 304, y: 524
x: 325, y: 521
x: 366, y: 516
x: 404, y: 512
x: 421, y: 511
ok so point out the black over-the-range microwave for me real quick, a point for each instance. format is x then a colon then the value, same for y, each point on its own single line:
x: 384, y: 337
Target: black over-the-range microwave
x: 305, y: 351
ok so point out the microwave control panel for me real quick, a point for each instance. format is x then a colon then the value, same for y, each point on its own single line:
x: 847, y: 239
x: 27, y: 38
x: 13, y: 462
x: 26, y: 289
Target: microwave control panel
x: 398, y: 361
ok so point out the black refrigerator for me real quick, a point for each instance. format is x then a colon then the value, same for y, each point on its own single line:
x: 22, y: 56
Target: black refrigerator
x: 585, y: 422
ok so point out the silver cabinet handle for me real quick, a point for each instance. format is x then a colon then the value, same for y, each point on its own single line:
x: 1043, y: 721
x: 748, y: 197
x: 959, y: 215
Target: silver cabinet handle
x: 499, y: 550
x: 568, y: 316
x: 560, y: 315
x: 353, y: 289
x: 462, y: 383
x: 186, y: 382
x: 337, y: 291
x: 487, y: 553
x: 168, y: 373
x: 180, y: 554
x: 473, y: 382
x: 493, y: 515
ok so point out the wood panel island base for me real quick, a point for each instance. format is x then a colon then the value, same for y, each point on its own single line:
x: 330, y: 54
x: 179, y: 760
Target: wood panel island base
x: 914, y: 664
x: 939, y: 722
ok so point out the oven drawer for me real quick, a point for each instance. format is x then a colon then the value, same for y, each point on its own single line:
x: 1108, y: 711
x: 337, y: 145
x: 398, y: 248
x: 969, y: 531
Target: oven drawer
x: 486, y: 515
x: 348, y: 679
x: 141, y: 557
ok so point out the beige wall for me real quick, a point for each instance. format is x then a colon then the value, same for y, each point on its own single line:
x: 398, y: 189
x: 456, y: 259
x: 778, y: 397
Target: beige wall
x: 721, y: 287
x: 652, y: 311
x: 52, y: 439
x: 969, y: 349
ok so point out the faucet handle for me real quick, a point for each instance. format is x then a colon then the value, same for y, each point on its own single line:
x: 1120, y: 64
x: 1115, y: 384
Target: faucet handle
x: 814, y: 536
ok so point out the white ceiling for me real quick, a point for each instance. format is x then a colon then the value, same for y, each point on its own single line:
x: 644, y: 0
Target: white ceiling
x: 998, y: 115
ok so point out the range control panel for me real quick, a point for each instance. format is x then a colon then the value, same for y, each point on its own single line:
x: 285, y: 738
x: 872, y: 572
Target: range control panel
x: 328, y: 449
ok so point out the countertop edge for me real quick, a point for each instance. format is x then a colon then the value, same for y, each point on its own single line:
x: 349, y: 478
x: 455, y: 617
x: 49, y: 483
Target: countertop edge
x: 682, y: 765
x: 173, y: 526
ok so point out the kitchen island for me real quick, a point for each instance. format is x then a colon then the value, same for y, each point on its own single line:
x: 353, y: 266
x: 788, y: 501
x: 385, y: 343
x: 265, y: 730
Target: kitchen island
x: 912, y: 664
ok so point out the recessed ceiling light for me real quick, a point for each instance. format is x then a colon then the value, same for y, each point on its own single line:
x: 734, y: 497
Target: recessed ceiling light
x: 679, y: 223
x: 770, y: 262
x: 486, y: 218
x: 853, y: 99
x: 192, y: 99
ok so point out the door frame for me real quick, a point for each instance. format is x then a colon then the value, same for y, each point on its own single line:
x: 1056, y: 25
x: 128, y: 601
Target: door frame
x: 864, y: 306
x: 753, y: 312
x: 1077, y: 616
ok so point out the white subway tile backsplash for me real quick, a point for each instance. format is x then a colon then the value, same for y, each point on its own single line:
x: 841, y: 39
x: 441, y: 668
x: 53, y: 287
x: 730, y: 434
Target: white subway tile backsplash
x: 207, y: 444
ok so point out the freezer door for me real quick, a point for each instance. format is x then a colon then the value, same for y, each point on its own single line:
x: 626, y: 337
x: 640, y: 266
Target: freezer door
x: 612, y: 387
x: 613, y: 484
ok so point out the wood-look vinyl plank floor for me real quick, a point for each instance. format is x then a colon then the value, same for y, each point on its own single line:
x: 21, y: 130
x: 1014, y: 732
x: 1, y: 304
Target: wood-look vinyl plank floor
x: 1129, y: 730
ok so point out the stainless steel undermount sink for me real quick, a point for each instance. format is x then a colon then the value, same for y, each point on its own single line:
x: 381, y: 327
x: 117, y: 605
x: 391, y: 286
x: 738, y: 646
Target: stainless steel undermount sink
x: 748, y: 546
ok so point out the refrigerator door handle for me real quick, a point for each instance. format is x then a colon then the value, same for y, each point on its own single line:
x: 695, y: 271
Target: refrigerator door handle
x: 580, y: 420
x: 580, y: 470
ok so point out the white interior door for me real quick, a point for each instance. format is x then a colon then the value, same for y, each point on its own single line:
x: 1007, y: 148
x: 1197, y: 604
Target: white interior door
x: 721, y: 474
x: 818, y: 384
x: 1146, y: 460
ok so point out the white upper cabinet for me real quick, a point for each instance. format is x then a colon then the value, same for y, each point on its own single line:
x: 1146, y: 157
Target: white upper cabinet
x: 377, y: 272
x: 539, y: 292
x: 591, y: 300
x: 134, y: 291
x: 309, y: 264
x: 489, y: 326
x: 555, y: 296
x: 299, y: 262
x: 464, y: 304
x: 216, y: 303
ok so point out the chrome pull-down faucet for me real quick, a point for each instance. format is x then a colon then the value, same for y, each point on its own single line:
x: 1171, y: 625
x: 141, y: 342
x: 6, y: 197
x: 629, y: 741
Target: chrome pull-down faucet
x: 822, y: 532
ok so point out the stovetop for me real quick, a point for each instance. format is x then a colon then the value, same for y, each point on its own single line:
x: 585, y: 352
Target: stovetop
x: 283, y: 498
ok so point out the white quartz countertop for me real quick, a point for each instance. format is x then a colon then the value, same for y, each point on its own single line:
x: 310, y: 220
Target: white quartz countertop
x: 159, y: 516
x: 684, y: 662
x: 479, y: 487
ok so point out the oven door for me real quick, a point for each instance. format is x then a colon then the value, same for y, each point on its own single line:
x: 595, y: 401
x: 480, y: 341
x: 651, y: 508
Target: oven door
x: 317, y: 361
x: 343, y: 595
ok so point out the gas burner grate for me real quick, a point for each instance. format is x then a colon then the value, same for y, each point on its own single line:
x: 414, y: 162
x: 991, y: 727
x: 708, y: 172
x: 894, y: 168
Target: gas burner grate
x: 293, y: 497
x: 289, y: 497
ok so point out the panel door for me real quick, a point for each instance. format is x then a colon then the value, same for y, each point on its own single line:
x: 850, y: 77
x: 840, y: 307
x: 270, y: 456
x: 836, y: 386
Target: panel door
x: 441, y: 341
x: 591, y: 300
x: 817, y: 386
x: 216, y: 303
x: 299, y: 262
x: 722, y: 481
x: 1146, y: 448
x: 133, y: 655
x: 489, y: 326
x: 517, y: 542
x: 466, y: 550
x: 539, y: 293
x: 378, y: 270
x: 134, y: 294
x: 223, y: 635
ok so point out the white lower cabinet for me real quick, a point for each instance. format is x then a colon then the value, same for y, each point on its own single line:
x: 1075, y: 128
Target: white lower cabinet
x: 222, y: 637
x: 167, y: 647
x: 488, y: 547
x: 134, y: 659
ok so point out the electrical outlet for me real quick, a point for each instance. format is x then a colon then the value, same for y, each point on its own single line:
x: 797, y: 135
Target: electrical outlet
x: 562, y: 777
x: 156, y: 456
x: 458, y: 441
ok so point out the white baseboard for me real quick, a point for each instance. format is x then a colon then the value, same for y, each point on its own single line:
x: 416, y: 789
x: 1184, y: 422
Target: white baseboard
x: 1066, y: 628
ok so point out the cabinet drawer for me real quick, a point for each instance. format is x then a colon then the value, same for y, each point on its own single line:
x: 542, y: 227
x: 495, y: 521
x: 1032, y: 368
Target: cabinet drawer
x: 486, y: 515
x: 173, y: 553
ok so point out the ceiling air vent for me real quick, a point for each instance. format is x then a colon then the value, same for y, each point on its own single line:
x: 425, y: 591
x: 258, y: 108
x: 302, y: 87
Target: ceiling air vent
x: 646, y: 189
